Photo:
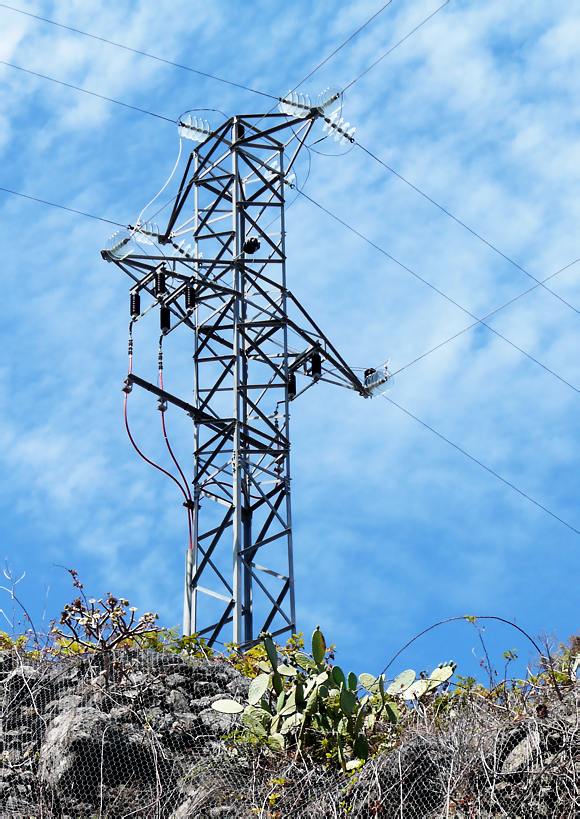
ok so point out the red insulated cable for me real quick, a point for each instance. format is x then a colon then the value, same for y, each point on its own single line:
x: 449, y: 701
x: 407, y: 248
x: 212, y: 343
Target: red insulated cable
x: 160, y: 468
x: 173, y: 458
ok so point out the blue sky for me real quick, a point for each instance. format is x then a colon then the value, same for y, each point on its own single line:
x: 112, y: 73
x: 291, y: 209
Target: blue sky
x: 394, y: 529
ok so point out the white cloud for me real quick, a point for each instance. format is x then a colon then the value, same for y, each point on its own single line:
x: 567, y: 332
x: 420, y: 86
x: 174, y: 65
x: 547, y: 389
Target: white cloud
x: 479, y: 110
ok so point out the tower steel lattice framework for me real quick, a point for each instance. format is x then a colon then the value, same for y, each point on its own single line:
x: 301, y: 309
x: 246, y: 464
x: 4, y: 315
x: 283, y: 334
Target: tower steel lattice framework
x: 249, y: 337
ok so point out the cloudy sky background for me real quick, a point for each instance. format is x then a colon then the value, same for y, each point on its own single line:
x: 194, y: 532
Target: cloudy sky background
x: 394, y: 529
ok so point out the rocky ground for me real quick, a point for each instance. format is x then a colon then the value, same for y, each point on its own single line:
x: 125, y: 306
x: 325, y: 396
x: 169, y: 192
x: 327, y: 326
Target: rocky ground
x: 135, y: 736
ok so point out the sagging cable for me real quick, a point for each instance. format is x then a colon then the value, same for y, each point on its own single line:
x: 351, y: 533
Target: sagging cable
x: 127, y: 389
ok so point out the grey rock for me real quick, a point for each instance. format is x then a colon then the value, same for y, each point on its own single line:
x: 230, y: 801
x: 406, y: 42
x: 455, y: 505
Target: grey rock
x: 175, y: 681
x: 66, y: 703
x: 177, y: 702
x: 521, y: 757
x: 216, y: 722
x: 70, y: 755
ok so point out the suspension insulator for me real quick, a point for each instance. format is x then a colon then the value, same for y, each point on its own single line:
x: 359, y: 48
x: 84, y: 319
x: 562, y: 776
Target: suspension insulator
x: 316, y: 369
x: 165, y: 319
x: 189, y: 297
x: 135, y: 305
x: 159, y: 283
x: 292, y: 386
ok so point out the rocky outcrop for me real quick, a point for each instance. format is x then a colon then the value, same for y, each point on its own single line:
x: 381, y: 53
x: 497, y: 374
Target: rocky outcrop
x: 133, y: 734
x: 110, y: 735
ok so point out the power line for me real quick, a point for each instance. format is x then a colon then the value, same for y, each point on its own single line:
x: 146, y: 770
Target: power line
x: 448, y: 298
x: 406, y: 37
x: 62, y: 207
x: 436, y: 289
x: 136, y: 51
x: 342, y: 45
x: 493, y: 312
x: 483, y: 466
x: 84, y: 91
x: 459, y: 222
x: 455, y: 446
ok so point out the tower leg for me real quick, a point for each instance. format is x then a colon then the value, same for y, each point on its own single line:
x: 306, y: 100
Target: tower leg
x: 188, y: 601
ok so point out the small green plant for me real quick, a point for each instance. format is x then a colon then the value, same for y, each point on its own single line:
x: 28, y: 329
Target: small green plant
x: 8, y: 643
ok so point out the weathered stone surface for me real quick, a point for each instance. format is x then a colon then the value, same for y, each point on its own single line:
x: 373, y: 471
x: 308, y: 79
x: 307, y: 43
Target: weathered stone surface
x: 135, y: 735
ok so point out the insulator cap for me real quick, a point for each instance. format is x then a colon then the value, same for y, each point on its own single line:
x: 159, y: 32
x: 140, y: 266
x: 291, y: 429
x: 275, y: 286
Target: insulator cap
x: 316, y: 369
x: 189, y: 297
x: 292, y: 386
x: 135, y: 305
x: 295, y: 105
x: 165, y: 319
x: 329, y: 101
x: 251, y: 245
x: 159, y: 283
x: 193, y: 128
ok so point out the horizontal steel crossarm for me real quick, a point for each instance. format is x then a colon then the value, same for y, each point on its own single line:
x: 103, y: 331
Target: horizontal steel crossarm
x: 339, y: 361
x: 213, y: 593
x: 264, y: 471
x: 263, y: 387
x: 216, y: 498
x: 198, y: 417
x: 212, y: 565
x: 283, y: 123
x: 271, y: 538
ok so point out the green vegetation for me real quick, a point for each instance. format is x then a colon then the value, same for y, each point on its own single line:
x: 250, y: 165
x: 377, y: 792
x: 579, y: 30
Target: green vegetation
x: 302, y: 703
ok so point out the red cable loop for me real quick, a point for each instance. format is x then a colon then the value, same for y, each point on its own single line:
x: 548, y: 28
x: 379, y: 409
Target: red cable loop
x: 173, y: 458
x: 160, y: 468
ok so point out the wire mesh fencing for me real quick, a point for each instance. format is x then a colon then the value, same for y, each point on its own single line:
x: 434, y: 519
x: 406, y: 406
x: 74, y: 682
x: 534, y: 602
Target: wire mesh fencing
x: 132, y: 733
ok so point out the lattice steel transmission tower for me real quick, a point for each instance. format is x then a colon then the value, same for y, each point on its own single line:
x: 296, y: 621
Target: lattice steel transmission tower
x: 249, y: 338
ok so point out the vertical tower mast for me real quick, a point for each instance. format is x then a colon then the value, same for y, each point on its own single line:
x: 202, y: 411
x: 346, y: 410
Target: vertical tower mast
x: 241, y: 359
x: 229, y: 287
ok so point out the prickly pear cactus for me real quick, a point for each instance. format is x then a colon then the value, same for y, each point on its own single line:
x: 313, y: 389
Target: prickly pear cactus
x: 298, y: 700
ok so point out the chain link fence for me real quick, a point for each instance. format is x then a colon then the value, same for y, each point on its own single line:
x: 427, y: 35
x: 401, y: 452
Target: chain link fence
x: 131, y: 733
